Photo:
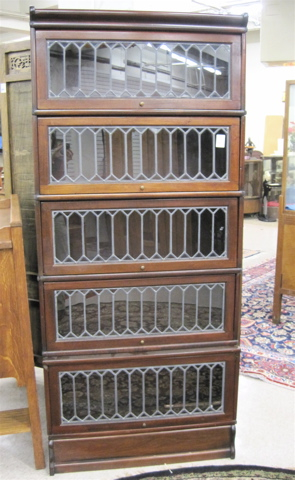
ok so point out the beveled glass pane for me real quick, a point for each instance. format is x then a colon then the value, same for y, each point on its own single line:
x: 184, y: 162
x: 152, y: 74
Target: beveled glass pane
x: 141, y: 393
x: 219, y: 154
x: 118, y: 71
x: 222, y: 72
x: 73, y: 70
x: 56, y: 80
x: 179, y: 63
x: 133, y: 60
x: 134, y: 154
x: 209, y: 71
x: 102, y: 70
x: 120, y: 235
x: 129, y: 311
x: 142, y: 69
x: 193, y: 152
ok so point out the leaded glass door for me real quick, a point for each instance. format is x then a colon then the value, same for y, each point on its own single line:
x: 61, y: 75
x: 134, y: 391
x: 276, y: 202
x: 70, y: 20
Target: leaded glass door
x: 143, y: 392
x: 185, y: 72
x: 141, y: 312
x: 138, y: 155
x: 136, y: 236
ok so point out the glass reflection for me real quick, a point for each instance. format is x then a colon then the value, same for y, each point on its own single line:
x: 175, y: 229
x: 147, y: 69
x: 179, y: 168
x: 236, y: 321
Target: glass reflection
x: 130, y: 311
x: 141, y: 234
x: 130, y: 154
x: 130, y: 70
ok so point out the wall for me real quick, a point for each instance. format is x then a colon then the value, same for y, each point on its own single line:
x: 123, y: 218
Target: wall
x: 265, y: 87
x: 148, y: 5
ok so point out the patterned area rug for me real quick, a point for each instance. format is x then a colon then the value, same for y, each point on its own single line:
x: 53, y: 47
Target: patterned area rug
x: 236, y: 472
x: 268, y: 350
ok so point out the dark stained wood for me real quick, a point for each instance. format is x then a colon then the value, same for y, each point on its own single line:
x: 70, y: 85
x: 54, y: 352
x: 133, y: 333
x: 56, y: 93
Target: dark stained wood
x: 108, y: 443
x: 95, y: 188
x: 146, y: 105
x: 125, y: 20
x: 198, y: 437
x: 153, y: 341
x: 52, y: 268
x: 229, y: 355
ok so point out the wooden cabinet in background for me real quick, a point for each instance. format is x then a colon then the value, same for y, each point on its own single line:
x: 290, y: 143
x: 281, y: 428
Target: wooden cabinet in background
x: 16, y: 121
x: 16, y: 352
x: 285, y: 274
x: 253, y: 185
x: 139, y: 123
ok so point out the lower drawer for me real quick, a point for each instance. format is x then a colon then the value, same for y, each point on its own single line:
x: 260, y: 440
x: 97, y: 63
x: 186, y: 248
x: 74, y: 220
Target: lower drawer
x: 140, y: 448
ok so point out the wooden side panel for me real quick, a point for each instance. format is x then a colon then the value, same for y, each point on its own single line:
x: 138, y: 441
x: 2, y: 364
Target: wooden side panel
x: 285, y: 275
x: 16, y: 116
x: 16, y: 353
x: 11, y: 334
x: 22, y: 165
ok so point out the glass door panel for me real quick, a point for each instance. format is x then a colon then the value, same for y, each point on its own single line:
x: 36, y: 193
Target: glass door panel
x: 99, y: 158
x: 139, y: 311
x: 191, y: 387
x: 186, y: 72
x: 112, y: 237
x: 101, y: 312
x: 141, y: 393
x: 145, y: 234
x: 99, y: 69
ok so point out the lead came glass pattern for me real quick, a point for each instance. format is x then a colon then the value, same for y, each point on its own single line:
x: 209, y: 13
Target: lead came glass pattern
x: 116, y: 235
x: 130, y: 311
x: 113, y: 154
x: 100, y: 69
x: 141, y: 393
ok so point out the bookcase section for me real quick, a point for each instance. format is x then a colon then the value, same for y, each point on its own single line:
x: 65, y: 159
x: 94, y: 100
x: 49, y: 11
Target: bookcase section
x: 138, y: 128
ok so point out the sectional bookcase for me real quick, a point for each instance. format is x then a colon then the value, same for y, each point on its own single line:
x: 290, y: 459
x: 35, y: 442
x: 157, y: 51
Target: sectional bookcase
x: 138, y: 125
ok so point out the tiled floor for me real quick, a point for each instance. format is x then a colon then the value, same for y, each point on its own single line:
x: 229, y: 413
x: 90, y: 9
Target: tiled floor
x: 266, y: 412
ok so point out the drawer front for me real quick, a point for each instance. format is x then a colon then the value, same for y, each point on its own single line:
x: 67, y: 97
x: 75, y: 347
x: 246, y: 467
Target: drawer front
x: 109, y: 71
x: 132, y: 155
x: 119, y: 314
x: 138, y: 236
x: 119, y: 393
x: 140, y: 448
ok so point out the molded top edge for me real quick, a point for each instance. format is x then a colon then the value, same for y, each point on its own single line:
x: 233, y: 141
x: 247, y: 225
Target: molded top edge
x: 136, y: 20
